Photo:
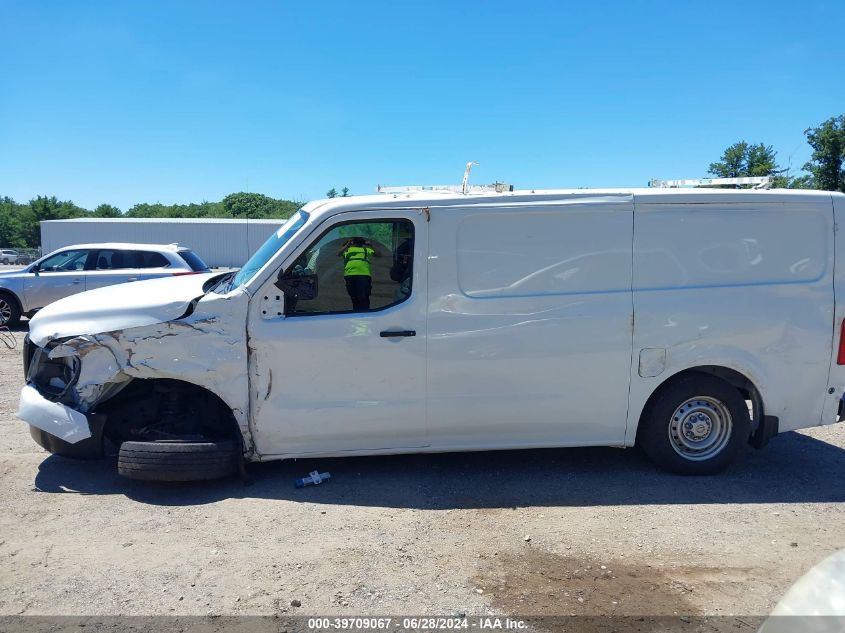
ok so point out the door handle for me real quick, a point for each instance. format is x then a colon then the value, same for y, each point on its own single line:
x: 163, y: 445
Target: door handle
x: 76, y: 281
x: 397, y: 333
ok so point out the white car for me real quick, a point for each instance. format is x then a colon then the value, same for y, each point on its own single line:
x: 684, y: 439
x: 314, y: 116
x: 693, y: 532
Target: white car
x: 73, y: 269
x: 688, y: 322
x: 9, y: 256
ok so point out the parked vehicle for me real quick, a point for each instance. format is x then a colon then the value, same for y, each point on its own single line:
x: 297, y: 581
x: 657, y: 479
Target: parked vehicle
x: 9, y: 256
x: 28, y: 256
x: 688, y: 322
x: 73, y: 269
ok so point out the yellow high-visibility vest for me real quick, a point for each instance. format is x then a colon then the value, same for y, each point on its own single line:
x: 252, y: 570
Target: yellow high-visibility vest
x: 357, y: 260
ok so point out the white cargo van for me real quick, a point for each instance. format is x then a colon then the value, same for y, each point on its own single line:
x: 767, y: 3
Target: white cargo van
x: 689, y: 322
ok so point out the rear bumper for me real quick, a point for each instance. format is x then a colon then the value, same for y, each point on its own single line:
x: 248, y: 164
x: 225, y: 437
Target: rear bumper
x: 60, y: 429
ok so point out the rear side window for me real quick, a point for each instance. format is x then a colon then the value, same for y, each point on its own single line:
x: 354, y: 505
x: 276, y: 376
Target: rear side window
x: 148, y: 259
x: 113, y: 260
x: 193, y: 260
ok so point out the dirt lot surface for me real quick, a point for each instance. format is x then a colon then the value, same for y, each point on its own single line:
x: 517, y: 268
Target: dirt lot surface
x: 597, y: 531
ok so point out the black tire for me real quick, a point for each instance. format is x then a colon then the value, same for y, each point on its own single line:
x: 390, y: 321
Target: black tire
x: 10, y: 311
x: 661, y: 433
x: 177, y: 461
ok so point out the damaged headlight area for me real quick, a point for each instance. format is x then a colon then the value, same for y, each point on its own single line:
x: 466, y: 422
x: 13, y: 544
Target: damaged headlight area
x: 75, y: 372
x: 53, y: 376
x: 50, y: 404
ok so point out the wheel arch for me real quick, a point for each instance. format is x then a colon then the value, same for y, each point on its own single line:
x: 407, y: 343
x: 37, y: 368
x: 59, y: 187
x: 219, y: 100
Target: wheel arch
x: 733, y: 377
x: 14, y: 296
x: 138, y: 398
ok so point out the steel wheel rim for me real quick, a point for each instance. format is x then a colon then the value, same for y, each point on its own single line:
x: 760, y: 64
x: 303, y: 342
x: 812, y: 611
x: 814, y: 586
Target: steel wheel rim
x: 5, y: 312
x: 700, y: 428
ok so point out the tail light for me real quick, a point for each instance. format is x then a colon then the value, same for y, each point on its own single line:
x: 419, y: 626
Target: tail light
x: 840, y: 358
x: 186, y: 272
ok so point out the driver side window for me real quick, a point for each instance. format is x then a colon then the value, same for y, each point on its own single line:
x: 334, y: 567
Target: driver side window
x: 355, y: 267
x: 66, y: 261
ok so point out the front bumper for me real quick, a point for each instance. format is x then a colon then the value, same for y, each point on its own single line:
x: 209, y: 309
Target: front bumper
x: 60, y: 429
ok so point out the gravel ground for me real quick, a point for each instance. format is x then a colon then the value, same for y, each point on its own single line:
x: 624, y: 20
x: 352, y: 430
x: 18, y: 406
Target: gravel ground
x: 575, y: 531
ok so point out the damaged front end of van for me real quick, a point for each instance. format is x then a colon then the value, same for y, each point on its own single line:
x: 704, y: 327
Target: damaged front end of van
x: 160, y: 361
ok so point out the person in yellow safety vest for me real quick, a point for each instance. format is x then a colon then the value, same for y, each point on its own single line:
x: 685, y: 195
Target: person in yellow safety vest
x: 357, y: 254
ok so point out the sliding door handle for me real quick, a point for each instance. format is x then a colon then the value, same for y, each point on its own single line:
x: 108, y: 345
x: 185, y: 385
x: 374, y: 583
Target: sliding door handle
x: 397, y: 333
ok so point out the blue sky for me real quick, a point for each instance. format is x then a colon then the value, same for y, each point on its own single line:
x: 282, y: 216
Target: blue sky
x: 183, y: 101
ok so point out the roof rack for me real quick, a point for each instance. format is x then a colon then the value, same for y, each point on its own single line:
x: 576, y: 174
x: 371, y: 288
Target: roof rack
x: 496, y: 187
x: 463, y: 188
x: 759, y: 182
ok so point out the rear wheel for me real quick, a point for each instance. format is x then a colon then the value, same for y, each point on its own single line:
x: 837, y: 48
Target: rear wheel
x: 174, y: 460
x: 697, y: 425
x: 10, y: 313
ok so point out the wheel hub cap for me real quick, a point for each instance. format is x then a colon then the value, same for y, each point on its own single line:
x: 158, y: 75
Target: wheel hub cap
x: 700, y: 428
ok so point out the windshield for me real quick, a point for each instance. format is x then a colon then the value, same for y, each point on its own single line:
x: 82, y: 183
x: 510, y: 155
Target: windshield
x: 269, y: 248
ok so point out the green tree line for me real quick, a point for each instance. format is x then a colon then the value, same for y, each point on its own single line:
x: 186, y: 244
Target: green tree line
x: 825, y: 170
x: 19, y: 222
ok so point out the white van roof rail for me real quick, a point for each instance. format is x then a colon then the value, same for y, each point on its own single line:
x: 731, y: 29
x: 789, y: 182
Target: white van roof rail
x: 464, y: 187
x: 759, y: 182
x: 496, y: 187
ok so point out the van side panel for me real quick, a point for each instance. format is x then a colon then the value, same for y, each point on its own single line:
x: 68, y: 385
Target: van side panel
x: 836, y: 379
x: 748, y: 286
x: 530, y: 324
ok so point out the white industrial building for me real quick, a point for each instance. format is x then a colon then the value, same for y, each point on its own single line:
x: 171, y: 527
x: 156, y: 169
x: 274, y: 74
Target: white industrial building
x: 220, y: 242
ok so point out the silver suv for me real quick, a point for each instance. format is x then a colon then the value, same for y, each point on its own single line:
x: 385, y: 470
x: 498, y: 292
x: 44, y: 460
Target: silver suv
x: 82, y: 267
x: 9, y: 256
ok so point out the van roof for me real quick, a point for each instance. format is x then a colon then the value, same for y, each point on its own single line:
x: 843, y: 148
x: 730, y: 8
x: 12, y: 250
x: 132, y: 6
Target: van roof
x: 642, y: 195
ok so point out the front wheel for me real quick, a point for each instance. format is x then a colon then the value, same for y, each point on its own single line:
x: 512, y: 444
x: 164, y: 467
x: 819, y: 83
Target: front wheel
x: 10, y: 314
x: 174, y: 460
x: 695, y: 426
